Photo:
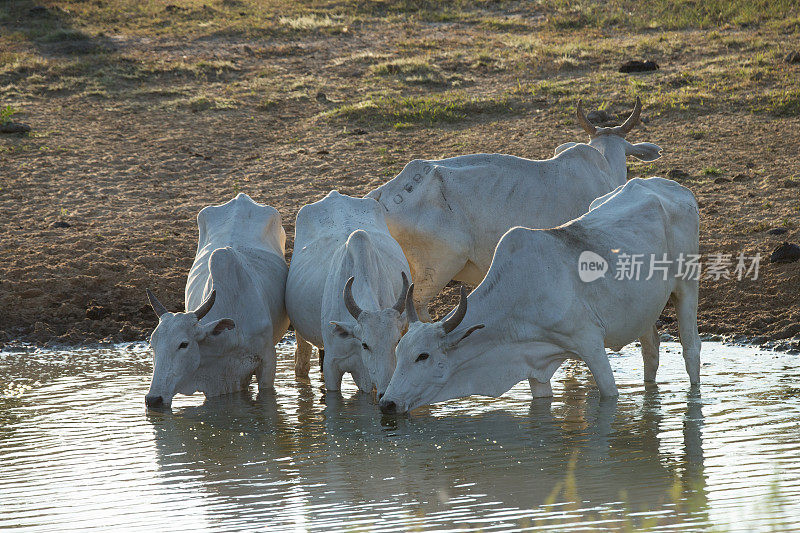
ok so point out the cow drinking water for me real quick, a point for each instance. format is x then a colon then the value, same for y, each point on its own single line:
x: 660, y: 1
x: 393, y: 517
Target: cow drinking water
x: 533, y: 310
x: 345, y: 291
x: 235, y: 289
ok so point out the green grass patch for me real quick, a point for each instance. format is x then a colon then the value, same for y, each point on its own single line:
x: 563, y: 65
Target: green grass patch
x: 569, y: 20
x: 20, y: 63
x: 401, y: 111
x: 265, y: 18
x: 64, y: 34
x: 209, y: 103
x: 267, y: 104
x: 313, y: 23
x: 782, y: 102
x: 411, y: 70
x: 506, y: 24
x: 6, y: 113
x: 667, y: 14
x: 307, y: 22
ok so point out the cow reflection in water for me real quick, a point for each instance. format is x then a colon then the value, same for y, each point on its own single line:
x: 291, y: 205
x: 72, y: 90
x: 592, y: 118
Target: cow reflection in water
x: 271, y: 460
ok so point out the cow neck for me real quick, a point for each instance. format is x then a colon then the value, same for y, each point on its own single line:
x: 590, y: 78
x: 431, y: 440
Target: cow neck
x: 495, y: 358
x: 479, y: 352
x: 224, y: 375
x: 613, y: 149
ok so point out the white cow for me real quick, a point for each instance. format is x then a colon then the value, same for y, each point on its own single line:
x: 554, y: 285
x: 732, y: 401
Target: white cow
x: 533, y: 311
x: 448, y: 214
x: 236, y: 287
x: 346, y: 291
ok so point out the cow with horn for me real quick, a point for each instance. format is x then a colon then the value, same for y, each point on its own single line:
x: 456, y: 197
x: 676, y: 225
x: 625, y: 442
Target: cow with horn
x: 449, y: 214
x: 536, y: 308
x: 346, y: 290
x: 236, y: 288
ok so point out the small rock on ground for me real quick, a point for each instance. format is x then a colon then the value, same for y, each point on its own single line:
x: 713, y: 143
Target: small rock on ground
x: 777, y: 231
x: 14, y: 127
x: 677, y: 174
x: 785, y: 253
x: 722, y: 180
x: 599, y: 117
x: 38, y: 11
x: 61, y: 224
x: 638, y: 66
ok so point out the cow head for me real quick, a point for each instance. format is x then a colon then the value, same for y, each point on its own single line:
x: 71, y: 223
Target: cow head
x: 610, y: 141
x: 424, y: 366
x: 179, y: 343
x: 377, y: 334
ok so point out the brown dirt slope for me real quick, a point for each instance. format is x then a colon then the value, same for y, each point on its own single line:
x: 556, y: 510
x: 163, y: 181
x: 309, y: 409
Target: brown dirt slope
x: 144, y: 112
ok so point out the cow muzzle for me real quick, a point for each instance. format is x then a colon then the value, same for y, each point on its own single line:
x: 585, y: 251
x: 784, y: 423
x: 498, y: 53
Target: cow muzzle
x: 153, y: 402
x: 388, y: 407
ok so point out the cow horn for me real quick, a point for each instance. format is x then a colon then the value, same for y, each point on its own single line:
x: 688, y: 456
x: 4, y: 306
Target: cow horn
x: 401, y: 302
x: 632, y: 120
x: 205, y: 307
x: 411, y: 312
x: 452, y: 323
x: 587, y: 126
x: 157, y: 306
x: 349, y: 301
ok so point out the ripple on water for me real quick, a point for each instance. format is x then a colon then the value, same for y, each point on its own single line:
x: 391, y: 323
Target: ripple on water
x: 78, y: 451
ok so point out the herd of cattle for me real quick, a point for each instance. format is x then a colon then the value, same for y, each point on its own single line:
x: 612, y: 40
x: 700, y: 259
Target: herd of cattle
x: 364, y: 269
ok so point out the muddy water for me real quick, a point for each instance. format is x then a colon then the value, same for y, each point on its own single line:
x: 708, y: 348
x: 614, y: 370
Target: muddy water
x: 78, y: 451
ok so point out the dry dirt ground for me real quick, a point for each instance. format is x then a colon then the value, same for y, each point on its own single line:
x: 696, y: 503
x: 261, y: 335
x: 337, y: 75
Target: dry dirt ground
x: 143, y: 113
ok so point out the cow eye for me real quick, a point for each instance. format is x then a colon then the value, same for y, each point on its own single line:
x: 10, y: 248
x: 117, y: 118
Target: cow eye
x: 422, y: 357
x: 183, y: 345
x: 364, y: 345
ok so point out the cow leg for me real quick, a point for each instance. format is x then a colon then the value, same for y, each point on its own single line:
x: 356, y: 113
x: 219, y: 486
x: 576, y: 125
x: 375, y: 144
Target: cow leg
x: 266, y: 371
x: 539, y: 389
x: 332, y: 374
x: 685, y: 303
x: 302, y: 356
x: 650, y: 342
x: 597, y: 361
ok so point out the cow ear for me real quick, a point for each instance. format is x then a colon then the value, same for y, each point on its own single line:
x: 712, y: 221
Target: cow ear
x: 644, y: 151
x: 467, y: 333
x: 222, y: 325
x: 217, y: 328
x: 342, y: 330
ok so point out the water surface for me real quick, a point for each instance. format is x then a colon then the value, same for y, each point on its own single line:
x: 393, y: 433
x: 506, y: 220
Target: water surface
x: 78, y: 451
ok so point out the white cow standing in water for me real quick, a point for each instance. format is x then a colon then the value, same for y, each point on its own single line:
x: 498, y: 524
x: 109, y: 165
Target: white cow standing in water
x: 449, y: 214
x: 236, y: 287
x: 346, y: 291
x: 533, y: 311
